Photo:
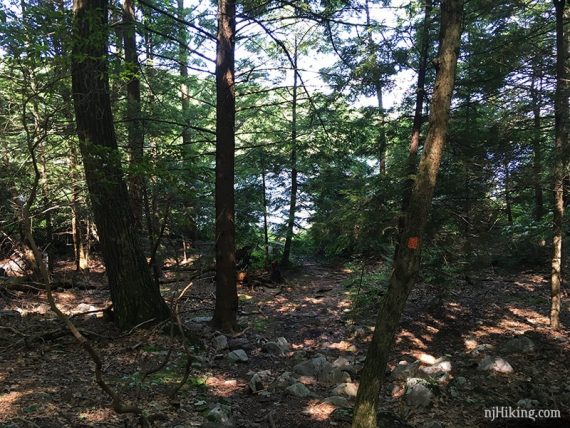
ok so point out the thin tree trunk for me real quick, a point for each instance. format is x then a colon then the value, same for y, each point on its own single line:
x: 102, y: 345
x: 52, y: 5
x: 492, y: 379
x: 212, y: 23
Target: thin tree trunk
x: 225, y: 311
x: 378, y: 87
x: 561, y: 152
x: 536, y: 141
x: 135, y: 297
x: 418, y: 117
x: 294, y: 172
x: 134, y: 127
x: 183, y: 68
x: 265, y: 223
x: 508, y: 204
x: 407, y: 261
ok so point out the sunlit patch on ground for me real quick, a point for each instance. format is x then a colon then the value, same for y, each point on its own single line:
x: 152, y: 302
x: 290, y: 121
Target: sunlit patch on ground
x: 319, y: 411
x: 9, y: 405
x: 224, y: 387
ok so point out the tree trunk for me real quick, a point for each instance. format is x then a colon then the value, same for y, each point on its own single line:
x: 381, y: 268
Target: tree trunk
x: 561, y: 154
x: 225, y: 312
x: 183, y: 68
x: 294, y: 172
x: 508, y: 204
x: 134, y: 127
x: 536, y: 141
x: 418, y: 119
x: 265, y: 223
x: 134, y: 295
x: 407, y: 260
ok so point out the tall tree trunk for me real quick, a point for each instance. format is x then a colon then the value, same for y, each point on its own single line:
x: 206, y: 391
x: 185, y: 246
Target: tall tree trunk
x: 418, y: 119
x: 183, y: 68
x: 135, y: 130
x: 508, y: 204
x: 536, y: 141
x: 225, y: 312
x: 378, y: 88
x: 561, y: 153
x: 135, y: 297
x: 294, y: 172
x: 407, y: 260
x: 265, y: 223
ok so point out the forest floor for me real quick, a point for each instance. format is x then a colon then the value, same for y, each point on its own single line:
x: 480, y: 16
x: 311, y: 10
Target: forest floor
x: 47, y: 380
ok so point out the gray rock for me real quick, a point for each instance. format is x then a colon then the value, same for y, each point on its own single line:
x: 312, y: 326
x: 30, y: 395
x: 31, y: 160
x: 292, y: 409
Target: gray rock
x: 347, y: 389
x: 201, y: 320
x: 527, y: 403
x: 342, y: 363
x: 256, y: 383
x: 284, y: 380
x: 238, y: 356
x: 283, y: 344
x: 220, y: 415
x: 518, y: 345
x: 337, y: 401
x: 441, y: 367
x: 311, y: 367
x: 495, y: 364
x: 299, y: 355
x: 459, y: 381
x: 299, y: 390
x: 220, y: 343
x: 272, y: 348
x: 329, y: 376
x: 418, y: 394
x: 405, y: 370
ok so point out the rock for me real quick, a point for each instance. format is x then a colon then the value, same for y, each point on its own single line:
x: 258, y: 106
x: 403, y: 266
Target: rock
x: 299, y: 355
x: 405, y: 370
x: 418, y: 394
x: 83, y: 308
x: 347, y: 389
x: 337, y: 401
x: 518, y: 345
x: 481, y: 349
x: 258, y: 381
x: 283, y: 344
x: 393, y: 390
x: 238, y: 356
x: 459, y: 381
x: 299, y: 390
x: 453, y: 392
x: 495, y: 364
x: 284, y: 380
x: 220, y: 343
x: 311, y: 367
x: 342, y: 363
x: 441, y: 367
x: 272, y: 348
x: 329, y: 376
x: 220, y: 415
x: 427, y: 359
x: 200, y: 320
x: 527, y: 403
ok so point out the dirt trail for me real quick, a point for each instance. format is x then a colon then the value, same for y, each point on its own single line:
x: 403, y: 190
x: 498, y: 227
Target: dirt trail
x: 48, y: 381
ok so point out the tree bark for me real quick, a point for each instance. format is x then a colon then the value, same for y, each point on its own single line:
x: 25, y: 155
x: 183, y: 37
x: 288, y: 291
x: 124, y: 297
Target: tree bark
x: 134, y: 127
x: 183, y: 69
x: 135, y: 297
x: 536, y: 141
x: 407, y: 260
x: 418, y: 119
x: 225, y: 311
x: 294, y: 172
x: 561, y: 155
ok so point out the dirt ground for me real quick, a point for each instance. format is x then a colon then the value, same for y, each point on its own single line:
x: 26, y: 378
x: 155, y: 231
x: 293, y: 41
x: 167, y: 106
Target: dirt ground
x: 47, y: 380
